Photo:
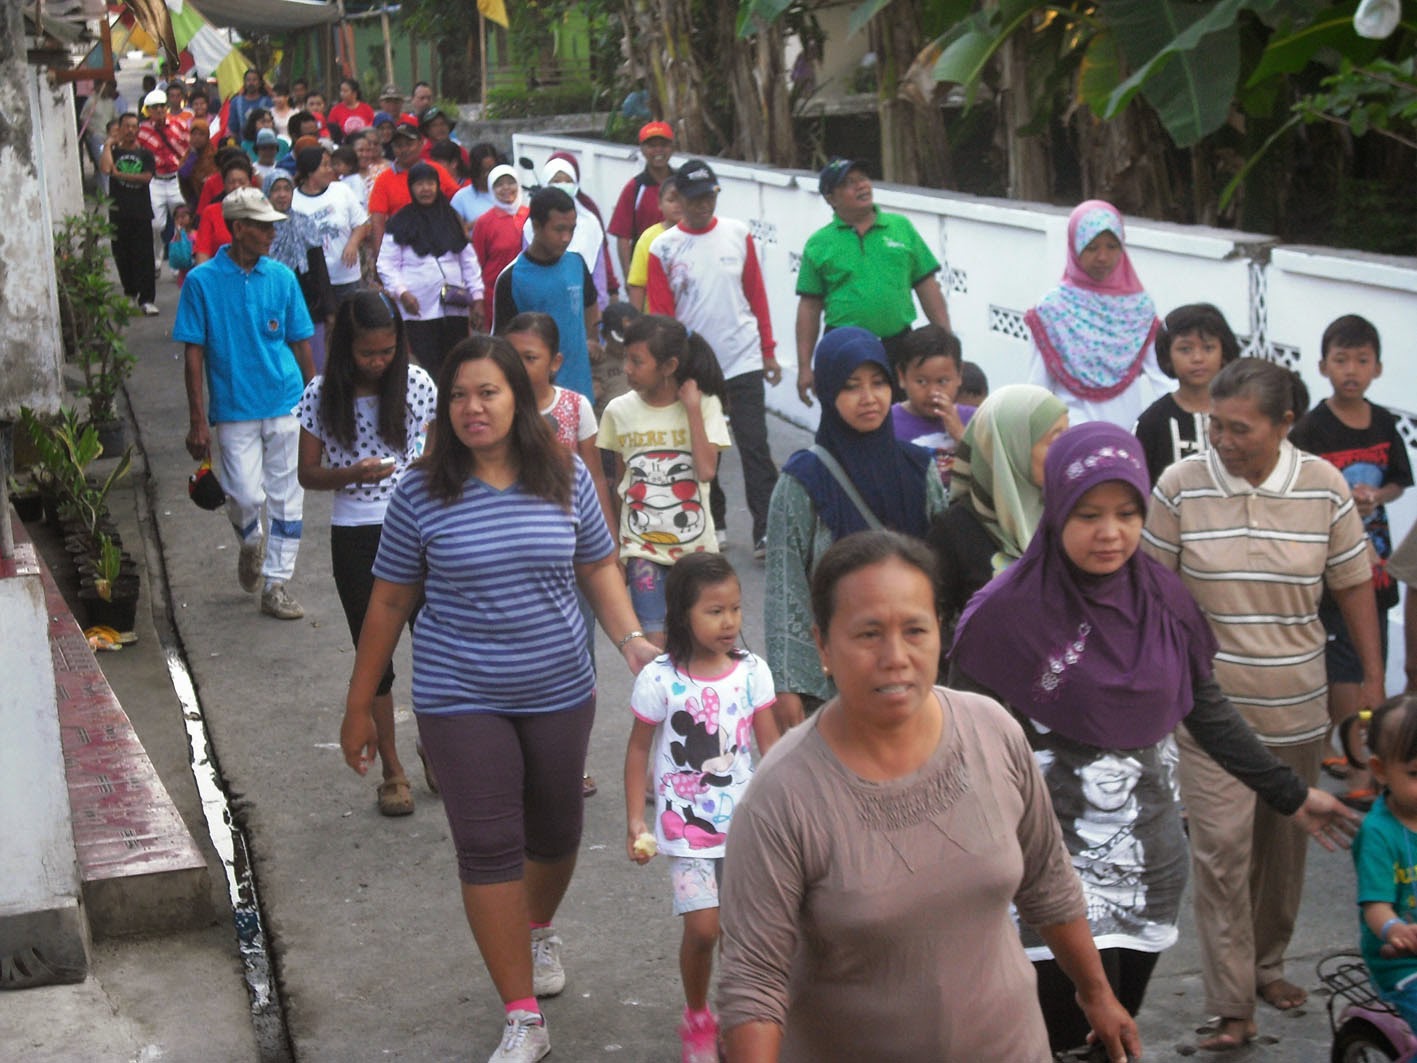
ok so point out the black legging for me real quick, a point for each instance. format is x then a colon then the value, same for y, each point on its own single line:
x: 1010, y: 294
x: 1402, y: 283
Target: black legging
x: 1128, y: 972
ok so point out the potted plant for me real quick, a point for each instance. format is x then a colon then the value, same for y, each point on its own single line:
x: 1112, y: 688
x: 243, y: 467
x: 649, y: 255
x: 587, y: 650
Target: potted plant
x: 111, y: 600
x: 24, y: 493
x: 93, y: 314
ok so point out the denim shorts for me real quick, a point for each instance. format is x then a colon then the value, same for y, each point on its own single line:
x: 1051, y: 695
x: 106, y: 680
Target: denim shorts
x: 646, y: 581
x: 695, y: 880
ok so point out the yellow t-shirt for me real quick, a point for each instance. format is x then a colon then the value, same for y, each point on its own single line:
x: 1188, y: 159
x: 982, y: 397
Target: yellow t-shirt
x: 639, y: 261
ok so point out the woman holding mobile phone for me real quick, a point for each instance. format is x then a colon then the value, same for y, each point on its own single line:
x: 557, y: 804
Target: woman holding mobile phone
x: 362, y: 423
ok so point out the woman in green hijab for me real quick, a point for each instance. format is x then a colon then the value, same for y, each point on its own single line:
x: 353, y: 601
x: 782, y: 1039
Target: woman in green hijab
x: 996, y: 491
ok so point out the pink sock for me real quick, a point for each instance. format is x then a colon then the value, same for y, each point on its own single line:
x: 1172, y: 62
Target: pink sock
x: 539, y: 926
x: 525, y: 1004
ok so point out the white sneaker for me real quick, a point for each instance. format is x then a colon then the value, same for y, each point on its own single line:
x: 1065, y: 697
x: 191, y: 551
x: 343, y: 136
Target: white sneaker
x: 248, y: 566
x: 524, y: 1040
x: 548, y: 977
x: 149, y: 309
x: 722, y: 537
x: 277, y: 602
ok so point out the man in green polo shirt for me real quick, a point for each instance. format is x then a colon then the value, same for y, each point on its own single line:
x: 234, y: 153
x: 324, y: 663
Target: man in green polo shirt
x: 860, y: 268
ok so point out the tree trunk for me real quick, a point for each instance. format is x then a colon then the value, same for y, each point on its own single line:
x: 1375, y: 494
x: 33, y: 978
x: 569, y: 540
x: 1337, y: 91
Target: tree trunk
x: 914, y: 150
x: 662, y: 36
x: 1126, y: 161
x: 1030, y: 172
x: 757, y: 79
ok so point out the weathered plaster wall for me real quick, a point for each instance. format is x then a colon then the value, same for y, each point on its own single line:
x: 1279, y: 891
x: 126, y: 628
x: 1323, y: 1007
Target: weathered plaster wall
x: 30, y: 350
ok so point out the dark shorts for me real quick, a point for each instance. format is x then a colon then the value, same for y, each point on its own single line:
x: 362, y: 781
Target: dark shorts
x: 1340, y: 657
x: 352, y: 552
x: 511, y: 786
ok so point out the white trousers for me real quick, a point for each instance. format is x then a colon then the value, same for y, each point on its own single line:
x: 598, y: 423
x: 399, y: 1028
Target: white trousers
x: 258, y: 465
x: 166, y: 196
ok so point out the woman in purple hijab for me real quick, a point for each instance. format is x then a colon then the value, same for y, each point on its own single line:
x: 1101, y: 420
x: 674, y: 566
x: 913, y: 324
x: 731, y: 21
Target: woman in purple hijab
x: 1115, y: 654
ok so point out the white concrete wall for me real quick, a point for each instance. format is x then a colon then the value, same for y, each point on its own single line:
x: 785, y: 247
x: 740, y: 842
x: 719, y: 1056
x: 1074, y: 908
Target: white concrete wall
x: 37, y: 843
x: 1000, y: 256
x: 57, y: 134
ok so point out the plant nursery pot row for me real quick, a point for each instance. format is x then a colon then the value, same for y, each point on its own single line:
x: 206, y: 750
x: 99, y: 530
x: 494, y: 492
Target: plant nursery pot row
x: 119, y: 612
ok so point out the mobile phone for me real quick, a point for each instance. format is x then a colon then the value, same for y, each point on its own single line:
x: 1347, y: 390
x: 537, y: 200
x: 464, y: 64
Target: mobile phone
x: 391, y: 460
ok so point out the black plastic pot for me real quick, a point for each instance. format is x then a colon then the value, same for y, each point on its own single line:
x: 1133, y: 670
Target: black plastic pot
x: 30, y: 506
x: 120, y: 612
x: 112, y: 436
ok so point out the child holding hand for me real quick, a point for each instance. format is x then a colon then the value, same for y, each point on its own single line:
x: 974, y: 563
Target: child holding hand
x: 706, y: 698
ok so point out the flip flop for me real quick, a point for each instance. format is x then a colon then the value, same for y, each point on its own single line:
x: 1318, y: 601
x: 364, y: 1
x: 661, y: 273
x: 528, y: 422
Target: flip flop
x: 1336, y: 767
x: 1359, y: 800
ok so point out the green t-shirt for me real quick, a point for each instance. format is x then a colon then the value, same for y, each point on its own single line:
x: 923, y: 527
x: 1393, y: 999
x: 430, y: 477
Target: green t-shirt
x: 866, y: 279
x: 1383, y: 853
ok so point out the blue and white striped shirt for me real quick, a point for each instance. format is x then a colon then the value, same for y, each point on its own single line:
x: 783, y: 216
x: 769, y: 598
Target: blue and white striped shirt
x: 500, y: 631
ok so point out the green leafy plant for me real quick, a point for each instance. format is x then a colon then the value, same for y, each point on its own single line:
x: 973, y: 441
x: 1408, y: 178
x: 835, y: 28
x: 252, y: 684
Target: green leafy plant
x: 108, y: 563
x: 66, y: 447
x: 93, y: 311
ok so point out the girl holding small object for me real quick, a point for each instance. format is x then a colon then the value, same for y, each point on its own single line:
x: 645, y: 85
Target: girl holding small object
x: 665, y: 433
x: 707, y: 699
x: 363, y: 422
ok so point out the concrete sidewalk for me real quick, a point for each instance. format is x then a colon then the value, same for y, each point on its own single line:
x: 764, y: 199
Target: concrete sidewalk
x: 372, y: 953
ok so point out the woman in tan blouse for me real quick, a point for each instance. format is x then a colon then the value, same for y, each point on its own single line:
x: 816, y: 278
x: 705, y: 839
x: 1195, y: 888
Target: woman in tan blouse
x: 872, y: 863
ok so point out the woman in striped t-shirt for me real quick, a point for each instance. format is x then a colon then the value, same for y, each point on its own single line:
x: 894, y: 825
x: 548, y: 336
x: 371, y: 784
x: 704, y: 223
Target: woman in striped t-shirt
x: 497, y: 526
x: 1257, y: 529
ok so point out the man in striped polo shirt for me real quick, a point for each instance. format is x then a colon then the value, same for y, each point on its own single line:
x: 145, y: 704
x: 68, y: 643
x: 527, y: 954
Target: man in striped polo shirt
x: 166, y: 137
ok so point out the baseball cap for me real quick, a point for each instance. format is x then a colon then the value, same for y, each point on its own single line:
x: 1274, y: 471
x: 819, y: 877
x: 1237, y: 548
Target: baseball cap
x: 834, y: 173
x: 695, y: 178
x: 656, y: 129
x: 156, y: 98
x: 267, y: 136
x: 382, y: 118
x: 205, y: 489
x: 391, y: 92
x: 431, y: 115
x: 247, y: 204
x: 404, y: 129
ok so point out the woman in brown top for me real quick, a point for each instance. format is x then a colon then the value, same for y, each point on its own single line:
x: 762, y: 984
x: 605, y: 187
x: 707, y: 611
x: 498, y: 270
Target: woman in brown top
x: 872, y: 863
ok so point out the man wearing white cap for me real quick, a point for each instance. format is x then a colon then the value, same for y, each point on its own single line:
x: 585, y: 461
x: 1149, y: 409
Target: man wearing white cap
x: 247, y: 334
x: 166, y: 137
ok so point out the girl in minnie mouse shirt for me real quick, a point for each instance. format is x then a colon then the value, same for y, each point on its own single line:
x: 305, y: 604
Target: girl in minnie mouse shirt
x: 706, y: 698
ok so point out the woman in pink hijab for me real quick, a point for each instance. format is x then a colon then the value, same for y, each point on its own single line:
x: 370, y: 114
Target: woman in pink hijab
x: 1093, y: 334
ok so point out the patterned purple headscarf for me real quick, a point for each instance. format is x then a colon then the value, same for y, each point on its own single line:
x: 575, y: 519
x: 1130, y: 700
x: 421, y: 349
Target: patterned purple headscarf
x: 1109, y: 661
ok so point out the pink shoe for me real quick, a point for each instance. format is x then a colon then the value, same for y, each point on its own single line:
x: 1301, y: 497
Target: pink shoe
x: 699, y: 1036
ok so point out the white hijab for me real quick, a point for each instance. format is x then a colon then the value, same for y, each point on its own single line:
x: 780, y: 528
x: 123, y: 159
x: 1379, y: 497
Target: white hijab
x: 589, y: 240
x: 496, y: 174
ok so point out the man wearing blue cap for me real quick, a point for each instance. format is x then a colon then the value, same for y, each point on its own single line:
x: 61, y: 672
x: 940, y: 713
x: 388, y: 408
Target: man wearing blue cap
x: 860, y: 269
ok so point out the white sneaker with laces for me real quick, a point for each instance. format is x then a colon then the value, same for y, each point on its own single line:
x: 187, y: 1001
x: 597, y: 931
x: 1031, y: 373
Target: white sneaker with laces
x: 548, y: 977
x: 524, y: 1039
x: 277, y: 602
x: 248, y: 566
x: 149, y: 309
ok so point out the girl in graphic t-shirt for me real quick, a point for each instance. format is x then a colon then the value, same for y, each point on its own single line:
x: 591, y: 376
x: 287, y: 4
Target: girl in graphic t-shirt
x: 708, y: 700
x: 665, y: 433
x: 362, y: 423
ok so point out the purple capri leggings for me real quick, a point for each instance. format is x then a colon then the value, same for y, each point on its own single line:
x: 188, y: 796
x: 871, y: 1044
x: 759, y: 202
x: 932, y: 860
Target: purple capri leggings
x: 511, y: 786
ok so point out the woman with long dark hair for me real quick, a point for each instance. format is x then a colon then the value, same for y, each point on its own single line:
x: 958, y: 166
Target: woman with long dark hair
x: 496, y: 528
x: 363, y: 422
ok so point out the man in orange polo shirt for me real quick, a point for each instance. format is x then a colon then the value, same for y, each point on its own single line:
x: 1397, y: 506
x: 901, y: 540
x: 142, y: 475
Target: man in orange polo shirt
x: 390, y: 193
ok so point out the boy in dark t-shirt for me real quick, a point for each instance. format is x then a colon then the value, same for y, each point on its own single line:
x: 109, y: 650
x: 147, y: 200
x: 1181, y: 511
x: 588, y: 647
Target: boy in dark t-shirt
x: 1361, y: 440
x: 130, y: 167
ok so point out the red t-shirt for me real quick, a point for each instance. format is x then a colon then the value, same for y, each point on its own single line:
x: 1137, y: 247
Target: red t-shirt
x: 211, y: 188
x: 339, y: 114
x: 212, y: 233
x: 637, y: 208
x: 390, y: 193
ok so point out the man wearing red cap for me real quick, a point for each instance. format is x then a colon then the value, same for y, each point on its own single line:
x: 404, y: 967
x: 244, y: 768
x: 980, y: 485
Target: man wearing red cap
x: 638, y: 206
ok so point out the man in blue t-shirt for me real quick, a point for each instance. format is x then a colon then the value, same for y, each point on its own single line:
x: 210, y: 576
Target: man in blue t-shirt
x: 247, y: 334
x: 543, y: 278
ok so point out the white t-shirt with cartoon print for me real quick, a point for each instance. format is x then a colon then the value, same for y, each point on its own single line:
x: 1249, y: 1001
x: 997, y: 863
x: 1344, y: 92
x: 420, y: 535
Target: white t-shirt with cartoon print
x: 357, y: 503
x: 702, y: 759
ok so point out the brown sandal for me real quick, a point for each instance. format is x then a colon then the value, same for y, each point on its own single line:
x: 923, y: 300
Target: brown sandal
x: 395, y: 797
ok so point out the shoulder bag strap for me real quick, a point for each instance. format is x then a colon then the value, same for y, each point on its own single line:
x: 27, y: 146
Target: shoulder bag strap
x: 844, y: 482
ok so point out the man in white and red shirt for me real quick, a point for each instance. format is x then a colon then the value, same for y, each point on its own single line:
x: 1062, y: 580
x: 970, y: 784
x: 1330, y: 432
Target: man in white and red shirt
x: 704, y: 272
x: 166, y: 138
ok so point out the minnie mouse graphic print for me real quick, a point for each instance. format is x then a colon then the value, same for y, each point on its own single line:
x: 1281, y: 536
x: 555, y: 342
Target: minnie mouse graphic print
x: 703, y: 752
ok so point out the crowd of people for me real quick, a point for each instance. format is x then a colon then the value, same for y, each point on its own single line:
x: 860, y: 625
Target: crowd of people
x: 976, y: 815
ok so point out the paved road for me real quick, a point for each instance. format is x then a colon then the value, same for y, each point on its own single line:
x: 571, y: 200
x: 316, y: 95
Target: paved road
x: 373, y: 954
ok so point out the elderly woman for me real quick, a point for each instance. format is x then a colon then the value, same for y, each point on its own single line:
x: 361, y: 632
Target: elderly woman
x: 498, y: 526
x: 1118, y: 654
x: 1257, y: 529
x: 497, y: 235
x: 996, y: 491
x: 873, y: 863
x: 856, y: 475
x: 1094, y: 334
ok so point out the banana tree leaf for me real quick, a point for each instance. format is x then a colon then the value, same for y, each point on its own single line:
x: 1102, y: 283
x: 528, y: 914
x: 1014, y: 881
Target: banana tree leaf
x: 1100, y: 74
x: 970, y: 45
x: 1290, y: 54
x: 755, y: 13
x: 863, y: 14
x: 1189, y: 85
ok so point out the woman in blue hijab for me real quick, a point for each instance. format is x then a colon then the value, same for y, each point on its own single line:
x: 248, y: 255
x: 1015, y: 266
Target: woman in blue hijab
x: 856, y: 476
